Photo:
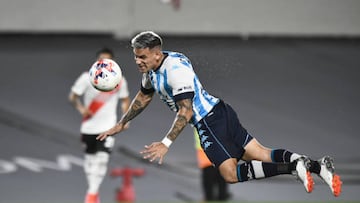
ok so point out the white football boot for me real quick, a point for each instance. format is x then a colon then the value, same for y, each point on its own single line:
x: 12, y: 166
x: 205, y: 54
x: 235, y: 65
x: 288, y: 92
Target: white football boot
x: 303, y: 173
x: 327, y: 173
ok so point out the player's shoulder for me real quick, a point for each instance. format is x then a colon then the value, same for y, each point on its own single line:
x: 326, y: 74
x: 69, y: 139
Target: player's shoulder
x: 175, y: 55
x: 176, y: 60
x: 84, y: 75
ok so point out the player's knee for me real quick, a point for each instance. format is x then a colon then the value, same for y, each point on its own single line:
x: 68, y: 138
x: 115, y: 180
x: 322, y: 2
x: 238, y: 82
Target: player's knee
x: 230, y: 176
x: 228, y: 171
x: 231, y: 179
x: 255, y: 151
x: 101, y: 163
x: 102, y: 157
x: 263, y: 155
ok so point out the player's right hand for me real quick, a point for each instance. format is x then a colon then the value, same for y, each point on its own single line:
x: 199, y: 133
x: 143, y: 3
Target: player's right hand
x: 86, y: 113
x: 116, y: 129
x: 156, y: 150
x: 103, y: 136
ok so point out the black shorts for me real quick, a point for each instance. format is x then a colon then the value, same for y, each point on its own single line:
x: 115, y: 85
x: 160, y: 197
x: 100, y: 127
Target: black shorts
x: 221, y: 134
x: 92, y: 145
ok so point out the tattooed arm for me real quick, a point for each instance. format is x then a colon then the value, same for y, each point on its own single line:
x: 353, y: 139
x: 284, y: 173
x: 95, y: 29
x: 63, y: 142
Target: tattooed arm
x: 138, y: 104
x: 183, y: 117
x: 157, y: 150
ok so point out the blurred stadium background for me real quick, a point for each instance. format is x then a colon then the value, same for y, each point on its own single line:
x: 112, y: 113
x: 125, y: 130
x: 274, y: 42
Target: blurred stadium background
x: 290, y: 68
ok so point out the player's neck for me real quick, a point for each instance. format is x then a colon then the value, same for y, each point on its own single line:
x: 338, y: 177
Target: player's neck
x: 161, y: 61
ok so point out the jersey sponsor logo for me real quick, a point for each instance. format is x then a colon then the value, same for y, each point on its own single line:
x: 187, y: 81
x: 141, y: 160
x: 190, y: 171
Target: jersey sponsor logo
x: 184, y: 89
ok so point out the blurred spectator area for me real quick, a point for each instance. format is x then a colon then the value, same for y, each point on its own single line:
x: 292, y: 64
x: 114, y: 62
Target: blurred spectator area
x: 123, y: 18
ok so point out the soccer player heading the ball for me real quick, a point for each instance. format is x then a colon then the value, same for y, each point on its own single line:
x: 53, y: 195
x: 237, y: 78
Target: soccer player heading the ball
x: 224, y: 140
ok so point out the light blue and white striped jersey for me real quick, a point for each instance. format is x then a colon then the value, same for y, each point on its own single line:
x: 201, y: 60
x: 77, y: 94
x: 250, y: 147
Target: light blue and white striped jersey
x: 175, y: 79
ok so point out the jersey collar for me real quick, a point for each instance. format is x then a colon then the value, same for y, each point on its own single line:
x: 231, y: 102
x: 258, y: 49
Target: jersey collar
x: 165, y: 56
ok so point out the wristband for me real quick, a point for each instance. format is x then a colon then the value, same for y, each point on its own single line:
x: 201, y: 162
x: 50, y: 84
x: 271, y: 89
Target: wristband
x: 167, y: 142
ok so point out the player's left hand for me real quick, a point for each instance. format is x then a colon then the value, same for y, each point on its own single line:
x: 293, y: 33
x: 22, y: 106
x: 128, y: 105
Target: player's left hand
x: 156, y: 150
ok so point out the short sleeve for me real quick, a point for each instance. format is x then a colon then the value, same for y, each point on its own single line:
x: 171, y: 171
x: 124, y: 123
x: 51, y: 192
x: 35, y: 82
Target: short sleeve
x: 146, y: 86
x: 81, y: 83
x: 124, y: 90
x: 182, y: 82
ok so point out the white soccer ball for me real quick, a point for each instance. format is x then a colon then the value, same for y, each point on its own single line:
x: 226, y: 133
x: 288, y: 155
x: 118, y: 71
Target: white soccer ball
x: 105, y: 75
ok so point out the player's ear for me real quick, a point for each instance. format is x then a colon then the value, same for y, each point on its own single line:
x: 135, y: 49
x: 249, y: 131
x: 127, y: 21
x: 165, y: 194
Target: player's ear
x: 158, y: 54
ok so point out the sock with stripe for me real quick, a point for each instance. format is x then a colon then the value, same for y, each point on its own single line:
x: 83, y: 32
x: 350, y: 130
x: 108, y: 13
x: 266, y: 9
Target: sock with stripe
x: 285, y: 156
x: 258, y: 170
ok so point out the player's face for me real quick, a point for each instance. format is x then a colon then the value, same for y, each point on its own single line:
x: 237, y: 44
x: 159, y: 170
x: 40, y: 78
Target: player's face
x: 104, y: 56
x: 147, y: 59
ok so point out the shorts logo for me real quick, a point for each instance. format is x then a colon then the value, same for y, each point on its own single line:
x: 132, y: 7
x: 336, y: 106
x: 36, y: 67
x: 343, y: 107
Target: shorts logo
x: 207, y: 144
x: 203, y: 138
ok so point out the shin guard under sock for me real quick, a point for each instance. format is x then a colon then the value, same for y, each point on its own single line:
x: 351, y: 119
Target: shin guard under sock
x: 283, y: 156
x: 257, y: 170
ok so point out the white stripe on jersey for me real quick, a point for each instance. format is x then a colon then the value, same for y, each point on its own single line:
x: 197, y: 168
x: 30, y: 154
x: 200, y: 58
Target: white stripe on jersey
x: 176, y: 76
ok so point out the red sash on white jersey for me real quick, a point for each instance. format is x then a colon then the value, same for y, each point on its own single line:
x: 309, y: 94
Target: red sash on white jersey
x: 100, y: 99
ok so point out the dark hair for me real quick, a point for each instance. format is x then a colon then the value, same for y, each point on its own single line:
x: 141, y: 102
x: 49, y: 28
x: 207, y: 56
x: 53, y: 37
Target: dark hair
x: 105, y: 50
x: 147, y: 39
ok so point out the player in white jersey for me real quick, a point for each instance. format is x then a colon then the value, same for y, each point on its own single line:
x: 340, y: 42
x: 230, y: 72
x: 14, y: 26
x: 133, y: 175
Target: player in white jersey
x: 224, y: 140
x: 99, y: 112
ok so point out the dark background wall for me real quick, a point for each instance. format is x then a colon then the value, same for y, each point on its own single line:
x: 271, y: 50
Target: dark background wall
x: 210, y: 17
